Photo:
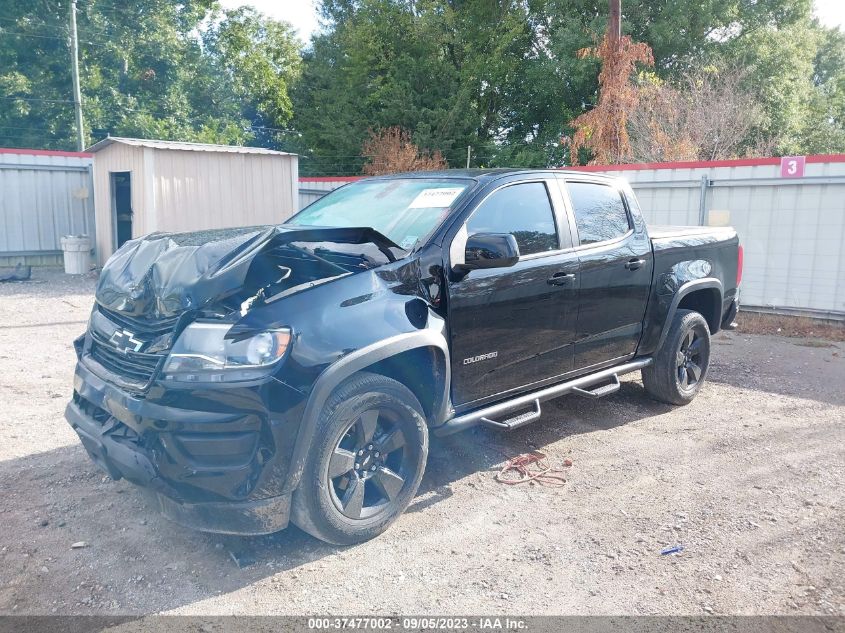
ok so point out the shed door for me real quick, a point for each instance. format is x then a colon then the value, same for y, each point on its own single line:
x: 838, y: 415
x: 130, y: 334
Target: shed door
x: 121, y: 202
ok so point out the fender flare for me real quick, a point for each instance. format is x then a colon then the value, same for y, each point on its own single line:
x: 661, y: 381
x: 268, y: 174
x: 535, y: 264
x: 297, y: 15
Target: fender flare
x: 354, y: 362
x: 684, y: 290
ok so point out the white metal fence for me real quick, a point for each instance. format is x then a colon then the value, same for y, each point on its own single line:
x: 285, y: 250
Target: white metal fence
x: 311, y: 189
x: 43, y: 196
x: 791, y: 225
x: 792, y: 228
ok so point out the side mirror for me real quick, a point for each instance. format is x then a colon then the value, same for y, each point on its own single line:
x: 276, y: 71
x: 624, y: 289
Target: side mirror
x: 490, y: 250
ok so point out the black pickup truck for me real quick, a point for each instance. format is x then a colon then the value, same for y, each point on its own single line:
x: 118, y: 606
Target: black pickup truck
x: 256, y: 376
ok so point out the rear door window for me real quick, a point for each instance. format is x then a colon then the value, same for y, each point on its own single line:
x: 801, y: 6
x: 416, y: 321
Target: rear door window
x: 523, y: 210
x: 600, y: 213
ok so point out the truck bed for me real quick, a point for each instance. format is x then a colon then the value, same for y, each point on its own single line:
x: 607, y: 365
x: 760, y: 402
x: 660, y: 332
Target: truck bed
x: 665, y: 231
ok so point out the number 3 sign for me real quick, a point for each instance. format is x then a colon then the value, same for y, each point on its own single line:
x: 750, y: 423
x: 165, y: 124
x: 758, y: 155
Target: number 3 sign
x: 792, y: 167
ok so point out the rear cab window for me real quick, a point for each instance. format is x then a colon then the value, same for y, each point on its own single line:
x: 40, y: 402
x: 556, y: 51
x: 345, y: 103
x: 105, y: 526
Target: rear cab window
x: 600, y: 213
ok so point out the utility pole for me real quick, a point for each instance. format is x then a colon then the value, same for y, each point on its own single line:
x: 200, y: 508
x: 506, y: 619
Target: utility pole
x: 469, y: 154
x: 77, y: 93
x: 614, y: 24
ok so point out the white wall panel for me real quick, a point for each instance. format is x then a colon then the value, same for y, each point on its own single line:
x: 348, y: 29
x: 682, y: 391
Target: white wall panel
x: 43, y: 197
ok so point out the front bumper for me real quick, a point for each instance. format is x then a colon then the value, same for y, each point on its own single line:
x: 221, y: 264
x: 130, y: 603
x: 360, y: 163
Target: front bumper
x: 217, y: 460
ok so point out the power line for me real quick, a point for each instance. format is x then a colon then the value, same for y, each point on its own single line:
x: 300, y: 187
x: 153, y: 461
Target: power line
x: 48, y: 37
x: 43, y: 37
x: 271, y: 129
x: 18, y: 19
x: 192, y: 119
x: 148, y: 111
x: 55, y: 28
x: 38, y: 141
x: 112, y: 7
x: 27, y: 129
x: 38, y: 99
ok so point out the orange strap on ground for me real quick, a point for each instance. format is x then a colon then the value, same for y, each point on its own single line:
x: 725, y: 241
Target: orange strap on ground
x: 531, y: 467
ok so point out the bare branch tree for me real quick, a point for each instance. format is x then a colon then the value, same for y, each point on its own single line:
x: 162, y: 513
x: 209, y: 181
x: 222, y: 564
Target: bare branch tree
x: 391, y: 150
x: 707, y: 115
x: 604, y: 129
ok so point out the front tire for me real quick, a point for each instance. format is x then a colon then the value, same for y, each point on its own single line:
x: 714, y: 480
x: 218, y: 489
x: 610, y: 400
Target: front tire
x: 366, y: 461
x: 680, y: 365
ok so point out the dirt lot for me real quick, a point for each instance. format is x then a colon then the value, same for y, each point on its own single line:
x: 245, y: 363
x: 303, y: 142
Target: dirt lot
x: 748, y: 478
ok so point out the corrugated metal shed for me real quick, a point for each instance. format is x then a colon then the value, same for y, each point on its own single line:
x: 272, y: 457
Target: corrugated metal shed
x: 43, y: 196
x: 184, y: 146
x: 174, y: 186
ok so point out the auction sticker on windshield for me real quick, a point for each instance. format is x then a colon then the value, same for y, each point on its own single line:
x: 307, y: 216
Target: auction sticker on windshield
x: 435, y: 198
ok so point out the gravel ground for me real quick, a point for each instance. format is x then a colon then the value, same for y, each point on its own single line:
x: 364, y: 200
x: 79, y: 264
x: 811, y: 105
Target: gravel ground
x: 748, y: 478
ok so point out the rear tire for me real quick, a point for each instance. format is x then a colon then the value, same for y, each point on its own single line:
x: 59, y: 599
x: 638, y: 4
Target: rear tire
x: 366, y: 461
x: 680, y: 365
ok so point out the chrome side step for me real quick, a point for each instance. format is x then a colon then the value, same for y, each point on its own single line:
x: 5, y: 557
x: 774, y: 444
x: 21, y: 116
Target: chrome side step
x: 516, y: 421
x: 600, y: 392
x: 487, y: 415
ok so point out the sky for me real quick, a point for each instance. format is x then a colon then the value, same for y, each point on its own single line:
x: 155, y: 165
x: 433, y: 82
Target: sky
x: 303, y: 15
x: 300, y: 13
x: 831, y: 12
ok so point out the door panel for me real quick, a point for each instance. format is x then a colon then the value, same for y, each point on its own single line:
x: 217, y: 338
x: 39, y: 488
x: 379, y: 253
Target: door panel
x: 516, y: 314
x: 612, y: 301
x: 616, y: 266
x: 510, y: 327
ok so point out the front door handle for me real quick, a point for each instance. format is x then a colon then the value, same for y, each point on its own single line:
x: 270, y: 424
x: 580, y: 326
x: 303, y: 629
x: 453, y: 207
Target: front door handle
x: 560, y: 279
x: 633, y: 264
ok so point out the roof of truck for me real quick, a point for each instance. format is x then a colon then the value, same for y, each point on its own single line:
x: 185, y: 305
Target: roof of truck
x: 487, y: 175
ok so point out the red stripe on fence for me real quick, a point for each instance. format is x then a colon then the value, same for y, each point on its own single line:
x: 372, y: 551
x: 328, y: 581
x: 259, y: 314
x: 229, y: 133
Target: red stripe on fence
x: 691, y: 164
x: 44, y: 152
x: 329, y: 178
x: 707, y: 164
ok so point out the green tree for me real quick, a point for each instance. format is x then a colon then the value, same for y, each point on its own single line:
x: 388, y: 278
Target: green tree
x: 149, y: 68
x: 683, y: 40
x: 448, y: 71
x: 504, y: 76
x: 500, y: 75
x: 824, y: 128
x: 798, y: 75
x: 780, y: 64
x: 258, y: 58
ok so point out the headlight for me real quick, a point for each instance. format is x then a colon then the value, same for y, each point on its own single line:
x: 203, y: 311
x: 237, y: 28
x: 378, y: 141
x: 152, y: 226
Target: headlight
x: 202, y: 354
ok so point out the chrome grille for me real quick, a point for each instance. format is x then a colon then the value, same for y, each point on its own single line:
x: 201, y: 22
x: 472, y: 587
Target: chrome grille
x: 134, y: 366
x: 134, y: 369
x: 144, y: 329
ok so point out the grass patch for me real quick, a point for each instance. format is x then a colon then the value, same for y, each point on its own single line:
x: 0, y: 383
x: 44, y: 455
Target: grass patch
x: 792, y: 326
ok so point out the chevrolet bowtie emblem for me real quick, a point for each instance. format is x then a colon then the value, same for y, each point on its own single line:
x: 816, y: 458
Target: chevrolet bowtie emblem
x: 125, y: 341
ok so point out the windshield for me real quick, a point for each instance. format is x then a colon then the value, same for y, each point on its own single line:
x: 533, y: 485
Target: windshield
x: 405, y: 210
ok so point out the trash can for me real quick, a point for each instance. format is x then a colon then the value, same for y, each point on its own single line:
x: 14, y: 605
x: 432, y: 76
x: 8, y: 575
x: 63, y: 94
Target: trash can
x: 77, y: 254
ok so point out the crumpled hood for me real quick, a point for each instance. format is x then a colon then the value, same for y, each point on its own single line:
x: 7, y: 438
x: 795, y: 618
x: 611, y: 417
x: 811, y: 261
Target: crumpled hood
x: 165, y: 274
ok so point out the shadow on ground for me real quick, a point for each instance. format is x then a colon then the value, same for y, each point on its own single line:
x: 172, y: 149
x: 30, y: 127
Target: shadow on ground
x: 133, y: 558
x: 58, y: 498
x: 810, y: 369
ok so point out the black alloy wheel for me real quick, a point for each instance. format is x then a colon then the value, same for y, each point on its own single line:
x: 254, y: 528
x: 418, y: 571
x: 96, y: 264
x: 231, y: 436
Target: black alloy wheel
x: 689, y: 360
x: 679, y: 367
x: 366, y: 471
x: 365, y: 463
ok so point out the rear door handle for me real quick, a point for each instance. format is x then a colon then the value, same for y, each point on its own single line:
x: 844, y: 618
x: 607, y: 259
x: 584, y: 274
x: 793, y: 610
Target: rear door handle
x: 633, y: 264
x: 560, y: 279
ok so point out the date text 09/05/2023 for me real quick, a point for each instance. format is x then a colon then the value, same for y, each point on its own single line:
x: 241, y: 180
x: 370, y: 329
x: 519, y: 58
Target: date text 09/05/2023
x: 414, y: 623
